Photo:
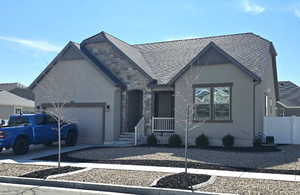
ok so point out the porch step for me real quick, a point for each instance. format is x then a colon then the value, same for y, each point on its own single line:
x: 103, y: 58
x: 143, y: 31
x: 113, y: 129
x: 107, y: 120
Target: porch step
x: 118, y: 143
x: 127, y: 137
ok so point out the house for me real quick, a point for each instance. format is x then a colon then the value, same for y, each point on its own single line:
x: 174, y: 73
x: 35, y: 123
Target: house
x: 289, y: 99
x: 13, y: 104
x: 10, y: 86
x: 230, y: 81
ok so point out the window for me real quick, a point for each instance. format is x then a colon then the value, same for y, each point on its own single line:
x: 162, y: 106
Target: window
x: 18, y: 110
x: 18, y: 121
x: 212, y: 102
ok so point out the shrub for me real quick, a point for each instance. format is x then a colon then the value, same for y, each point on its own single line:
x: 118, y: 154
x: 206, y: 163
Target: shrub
x: 175, y: 140
x: 202, y: 141
x: 228, y: 141
x: 152, y: 140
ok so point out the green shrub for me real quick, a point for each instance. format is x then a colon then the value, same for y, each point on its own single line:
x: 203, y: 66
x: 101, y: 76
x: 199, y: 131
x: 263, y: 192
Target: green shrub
x: 257, y: 141
x: 175, y: 140
x: 152, y: 140
x: 228, y: 141
x: 202, y: 141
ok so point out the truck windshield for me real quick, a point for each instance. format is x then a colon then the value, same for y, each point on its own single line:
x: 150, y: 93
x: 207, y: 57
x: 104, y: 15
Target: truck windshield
x: 18, y: 121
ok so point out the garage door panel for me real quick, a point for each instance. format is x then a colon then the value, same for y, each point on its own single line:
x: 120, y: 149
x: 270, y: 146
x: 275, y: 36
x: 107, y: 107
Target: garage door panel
x: 89, y: 121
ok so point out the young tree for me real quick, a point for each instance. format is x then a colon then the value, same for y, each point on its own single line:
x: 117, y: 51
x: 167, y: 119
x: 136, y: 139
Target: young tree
x: 55, y: 99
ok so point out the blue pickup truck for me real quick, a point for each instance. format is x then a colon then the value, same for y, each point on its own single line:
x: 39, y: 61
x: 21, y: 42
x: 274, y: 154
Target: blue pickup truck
x: 26, y: 129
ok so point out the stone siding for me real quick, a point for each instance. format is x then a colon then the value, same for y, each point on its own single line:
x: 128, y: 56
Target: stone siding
x: 125, y: 70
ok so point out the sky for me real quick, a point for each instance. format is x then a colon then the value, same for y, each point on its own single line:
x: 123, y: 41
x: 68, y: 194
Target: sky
x: 32, y: 32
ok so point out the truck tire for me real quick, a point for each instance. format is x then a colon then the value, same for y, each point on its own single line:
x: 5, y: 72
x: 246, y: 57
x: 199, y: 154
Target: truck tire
x: 21, y: 146
x: 71, y: 139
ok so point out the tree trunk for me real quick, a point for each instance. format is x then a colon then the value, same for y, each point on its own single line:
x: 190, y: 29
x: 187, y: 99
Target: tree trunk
x: 59, y: 143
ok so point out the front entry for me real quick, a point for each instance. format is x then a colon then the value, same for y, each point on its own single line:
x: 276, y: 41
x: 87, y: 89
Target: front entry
x: 135, y: 108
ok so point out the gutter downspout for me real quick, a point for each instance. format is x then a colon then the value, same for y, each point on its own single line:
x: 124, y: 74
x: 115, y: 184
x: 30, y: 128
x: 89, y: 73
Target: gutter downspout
x: 255, y: 83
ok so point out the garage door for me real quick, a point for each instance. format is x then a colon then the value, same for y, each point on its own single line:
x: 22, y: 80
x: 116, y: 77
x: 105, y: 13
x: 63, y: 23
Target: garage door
x: 89, y: 121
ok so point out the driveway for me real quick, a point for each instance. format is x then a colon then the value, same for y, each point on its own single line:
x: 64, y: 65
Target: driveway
x: 36, y: 151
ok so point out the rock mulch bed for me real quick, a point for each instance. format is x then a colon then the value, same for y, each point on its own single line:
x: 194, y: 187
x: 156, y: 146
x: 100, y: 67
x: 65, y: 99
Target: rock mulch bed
x: 173, y: 157
x: 15, y: 170
x: 120, y: 177
x: 181, y: 180
x: 43, y: 174
x: 252, y: 186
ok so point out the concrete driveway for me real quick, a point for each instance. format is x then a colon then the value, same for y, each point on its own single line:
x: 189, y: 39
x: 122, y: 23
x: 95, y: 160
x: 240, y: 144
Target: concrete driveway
x: 36, y: 151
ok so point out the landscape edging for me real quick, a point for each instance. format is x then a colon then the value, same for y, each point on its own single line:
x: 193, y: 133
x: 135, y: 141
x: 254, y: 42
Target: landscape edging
x: 101, y: 187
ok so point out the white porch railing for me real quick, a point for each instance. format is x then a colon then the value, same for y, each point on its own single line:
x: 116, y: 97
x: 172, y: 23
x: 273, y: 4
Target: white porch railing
x: 139, y: 131
x: 163, y: 124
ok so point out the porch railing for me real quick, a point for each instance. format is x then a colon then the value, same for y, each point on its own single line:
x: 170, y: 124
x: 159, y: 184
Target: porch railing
x: 139, y: 131
x: 163, y: 124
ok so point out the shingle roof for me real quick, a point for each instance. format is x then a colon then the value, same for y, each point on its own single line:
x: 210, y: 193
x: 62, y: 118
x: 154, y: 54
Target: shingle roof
x: 166, y: 59
x: 10, y: 86
x: 289, y: 93
x: 7, y: 98
x: 23, y: 92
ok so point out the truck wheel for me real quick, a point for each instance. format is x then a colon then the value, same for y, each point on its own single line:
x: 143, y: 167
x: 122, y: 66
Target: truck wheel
x: 71, y: 139
x: 21, y: 146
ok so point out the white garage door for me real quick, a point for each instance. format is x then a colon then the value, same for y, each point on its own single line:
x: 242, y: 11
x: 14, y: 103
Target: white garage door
x: 89, y: 121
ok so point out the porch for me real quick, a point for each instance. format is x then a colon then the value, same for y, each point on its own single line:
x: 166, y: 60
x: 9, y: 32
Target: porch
x: 163, y: 120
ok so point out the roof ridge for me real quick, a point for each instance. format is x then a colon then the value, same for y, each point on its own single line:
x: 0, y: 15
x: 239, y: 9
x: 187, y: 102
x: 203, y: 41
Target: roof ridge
x: 105, y: 33
x: 177, y: 40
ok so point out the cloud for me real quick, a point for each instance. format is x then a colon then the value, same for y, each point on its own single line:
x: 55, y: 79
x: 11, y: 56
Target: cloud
x: 253, y: 8
x: 40, y: 45
x: 297, y: 12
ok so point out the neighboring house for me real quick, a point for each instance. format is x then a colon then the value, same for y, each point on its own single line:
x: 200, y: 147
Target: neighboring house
x: 289, y: 99
x: 13, y: 104
x: 230, y: 80
x: 10, y: 86
x: 23, y: 92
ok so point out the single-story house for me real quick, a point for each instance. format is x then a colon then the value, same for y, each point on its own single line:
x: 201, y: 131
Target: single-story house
x: 13, y: 104
x: 10, y: 86
x: 289, y: 99
x: 229, y: 81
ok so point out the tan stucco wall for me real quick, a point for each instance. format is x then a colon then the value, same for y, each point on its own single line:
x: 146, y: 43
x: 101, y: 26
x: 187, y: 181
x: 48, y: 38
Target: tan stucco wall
x: 242, y: 97
x: 6, y: 111
x: 81, y: 82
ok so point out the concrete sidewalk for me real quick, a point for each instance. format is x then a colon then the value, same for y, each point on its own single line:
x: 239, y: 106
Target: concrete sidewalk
x: 249, y: 175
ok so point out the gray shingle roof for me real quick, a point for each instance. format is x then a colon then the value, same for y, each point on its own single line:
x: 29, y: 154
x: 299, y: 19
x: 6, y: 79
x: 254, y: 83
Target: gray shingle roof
x: 23, y: 92
x: 10, y: 86
x: 132, y: 52
x: 166, y: 59
x: 289, y: 93
x: 7, y: 98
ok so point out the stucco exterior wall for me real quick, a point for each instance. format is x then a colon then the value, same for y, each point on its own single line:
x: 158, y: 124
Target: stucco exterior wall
x: 125, y: 70
x: 242, y: 108
x: 6, y: 111
x: 81, y: 82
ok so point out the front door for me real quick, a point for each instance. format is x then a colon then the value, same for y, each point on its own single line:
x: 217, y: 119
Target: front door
x: 135, y: 108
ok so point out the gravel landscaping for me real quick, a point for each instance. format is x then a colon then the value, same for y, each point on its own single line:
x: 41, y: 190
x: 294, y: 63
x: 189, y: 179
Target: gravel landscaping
x: 19, y: 169
x: 181, y: 180
x: 43, y: 174
x: 120, y: 177
x: 284, y: 161
x: 252, y: 186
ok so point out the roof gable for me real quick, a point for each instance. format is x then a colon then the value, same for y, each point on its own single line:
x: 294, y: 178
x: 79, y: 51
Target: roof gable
x: 74, y: 47
x: 213, y: 54
x: 289, y: 94
x: 127, y: 50
x: 168, y: 58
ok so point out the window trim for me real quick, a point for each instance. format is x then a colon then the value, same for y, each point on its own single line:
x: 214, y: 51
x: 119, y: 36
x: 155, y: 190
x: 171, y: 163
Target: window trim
x: 212, y: 86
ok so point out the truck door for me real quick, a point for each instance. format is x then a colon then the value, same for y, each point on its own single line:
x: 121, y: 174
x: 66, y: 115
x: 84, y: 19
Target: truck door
x: 41, y: 130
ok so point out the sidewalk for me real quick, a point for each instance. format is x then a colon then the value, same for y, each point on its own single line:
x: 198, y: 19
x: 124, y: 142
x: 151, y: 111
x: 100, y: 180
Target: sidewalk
x: 249, y: 175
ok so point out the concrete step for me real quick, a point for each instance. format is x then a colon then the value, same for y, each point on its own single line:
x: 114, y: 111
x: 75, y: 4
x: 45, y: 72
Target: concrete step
x: 126, y: 136
x: 127, y: 133
x: 118, y: 143
x: 126, y: 139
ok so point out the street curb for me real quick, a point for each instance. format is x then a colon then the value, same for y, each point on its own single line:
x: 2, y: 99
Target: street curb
x: 101, y: 187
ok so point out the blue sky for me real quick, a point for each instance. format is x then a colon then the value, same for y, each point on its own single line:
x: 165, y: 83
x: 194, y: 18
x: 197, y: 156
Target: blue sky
x: 32, y: 31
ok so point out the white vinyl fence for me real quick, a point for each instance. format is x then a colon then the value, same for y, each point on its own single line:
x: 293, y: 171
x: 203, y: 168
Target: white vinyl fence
x: 286, y: 130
